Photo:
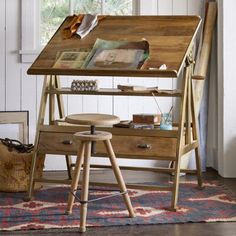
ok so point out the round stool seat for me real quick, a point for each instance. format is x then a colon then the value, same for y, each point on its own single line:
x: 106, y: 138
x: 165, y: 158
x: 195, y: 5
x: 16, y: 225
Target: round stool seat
x: 97, y: 136
x: 92, y: 119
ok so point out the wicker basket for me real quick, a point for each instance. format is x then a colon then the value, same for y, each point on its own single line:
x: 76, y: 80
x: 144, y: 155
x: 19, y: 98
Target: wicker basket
x: 15, y: 170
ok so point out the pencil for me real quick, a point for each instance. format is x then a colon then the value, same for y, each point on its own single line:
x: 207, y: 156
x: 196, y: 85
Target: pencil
x: 156, y: 102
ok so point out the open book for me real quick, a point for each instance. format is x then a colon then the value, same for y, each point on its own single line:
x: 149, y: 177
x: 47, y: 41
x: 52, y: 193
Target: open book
x: 112, y: 54
x: 116, y: 59
x: 75, y: 59
x: 105, y: 54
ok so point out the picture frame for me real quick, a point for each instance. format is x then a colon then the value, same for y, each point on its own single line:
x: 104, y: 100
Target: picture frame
x: 20, y: 118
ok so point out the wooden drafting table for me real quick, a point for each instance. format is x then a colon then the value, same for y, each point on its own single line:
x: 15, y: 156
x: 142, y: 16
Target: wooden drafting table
x: 171, y: 40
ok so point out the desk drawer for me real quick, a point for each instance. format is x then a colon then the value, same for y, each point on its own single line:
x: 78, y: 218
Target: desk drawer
x: 138, y: 146
x: 57, y: 143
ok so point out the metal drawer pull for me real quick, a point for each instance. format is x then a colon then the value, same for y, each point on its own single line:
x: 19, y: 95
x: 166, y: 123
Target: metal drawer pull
x: 67, y: 142
x: 144, y: 146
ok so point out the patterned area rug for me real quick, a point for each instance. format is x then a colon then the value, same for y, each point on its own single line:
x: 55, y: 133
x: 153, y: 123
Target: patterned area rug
x: 211, y: 204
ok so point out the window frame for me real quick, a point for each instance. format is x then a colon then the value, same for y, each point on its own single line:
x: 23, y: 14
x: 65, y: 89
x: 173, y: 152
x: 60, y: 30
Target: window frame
x: 30, y: 10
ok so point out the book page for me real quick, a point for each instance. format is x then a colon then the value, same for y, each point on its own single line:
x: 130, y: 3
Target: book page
x: 116, y: 59
x: 71, y: 60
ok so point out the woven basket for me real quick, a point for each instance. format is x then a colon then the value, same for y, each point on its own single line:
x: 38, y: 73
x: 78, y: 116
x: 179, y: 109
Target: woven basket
x: 15, y: 170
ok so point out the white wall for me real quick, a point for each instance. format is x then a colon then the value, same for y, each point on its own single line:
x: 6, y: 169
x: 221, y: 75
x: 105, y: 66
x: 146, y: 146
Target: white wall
x: 226, y: 89
x: 19, y: 91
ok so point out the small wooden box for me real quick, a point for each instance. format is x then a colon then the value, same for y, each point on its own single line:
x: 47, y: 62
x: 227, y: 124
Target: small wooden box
x: 146, y: 118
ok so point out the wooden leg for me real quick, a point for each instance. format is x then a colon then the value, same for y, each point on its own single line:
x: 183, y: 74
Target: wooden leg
x: 31, y: 177
x: 199, y: 169
x: 75, y: 179
x: 41, y: 116
x: 85, y: 187
x: 196, y: 137
x: 175, y: 191
x: 62, y: 115
x: 61, y: 109
x: 52, y: 101
x: 119, y: 177
x: 68, y: 166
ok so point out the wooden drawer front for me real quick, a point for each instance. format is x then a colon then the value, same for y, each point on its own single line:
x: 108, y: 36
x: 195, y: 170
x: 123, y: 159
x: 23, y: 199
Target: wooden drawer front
x: 141, y: 146
x: 136, y: 146
x: 52, y: 143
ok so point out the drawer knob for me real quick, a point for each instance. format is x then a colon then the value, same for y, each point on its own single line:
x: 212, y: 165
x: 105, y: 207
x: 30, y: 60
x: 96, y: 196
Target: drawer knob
x: 67, y: 142
x: 144, y: 146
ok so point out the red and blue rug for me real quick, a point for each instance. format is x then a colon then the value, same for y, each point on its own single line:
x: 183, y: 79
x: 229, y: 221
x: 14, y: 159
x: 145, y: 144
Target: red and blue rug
x: 47, y: 210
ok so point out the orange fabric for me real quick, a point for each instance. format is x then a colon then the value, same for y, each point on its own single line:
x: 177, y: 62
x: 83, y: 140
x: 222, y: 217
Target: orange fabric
x: 71, y: 28
x: 74, y: 24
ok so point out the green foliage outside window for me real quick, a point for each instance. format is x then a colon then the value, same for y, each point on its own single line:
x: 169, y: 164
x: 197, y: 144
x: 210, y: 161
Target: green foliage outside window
x: 118, y: 7
x: 52, y: 15
x: 54, y: 12
x: 87, y: 6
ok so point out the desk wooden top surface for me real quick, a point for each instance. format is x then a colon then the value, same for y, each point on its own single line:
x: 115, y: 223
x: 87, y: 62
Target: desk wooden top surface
x: 170, y: 38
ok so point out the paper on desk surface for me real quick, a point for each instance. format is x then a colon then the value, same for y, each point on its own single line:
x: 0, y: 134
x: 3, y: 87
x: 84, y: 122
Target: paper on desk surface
x: 88, y: 23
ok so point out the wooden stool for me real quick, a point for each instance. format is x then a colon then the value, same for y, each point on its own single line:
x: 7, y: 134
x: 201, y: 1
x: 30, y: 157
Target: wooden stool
x: 83, y: 157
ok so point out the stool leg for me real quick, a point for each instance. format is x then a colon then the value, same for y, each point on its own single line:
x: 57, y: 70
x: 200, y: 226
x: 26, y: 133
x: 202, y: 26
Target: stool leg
x: 119, y: 177
x: 68, y: 166
x: 75, y: 177
x: 85, y: 186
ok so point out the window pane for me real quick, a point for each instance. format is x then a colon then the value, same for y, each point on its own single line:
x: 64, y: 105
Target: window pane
x: 52, y: 15
x: 118, y: 7
x: 87, y: 6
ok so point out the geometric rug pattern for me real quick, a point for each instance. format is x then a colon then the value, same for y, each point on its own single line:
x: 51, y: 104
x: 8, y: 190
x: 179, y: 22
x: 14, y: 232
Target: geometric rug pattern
x: 47, y: 209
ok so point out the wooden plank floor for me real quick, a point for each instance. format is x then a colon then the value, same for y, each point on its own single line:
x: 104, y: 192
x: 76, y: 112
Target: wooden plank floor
x: 193, y: 229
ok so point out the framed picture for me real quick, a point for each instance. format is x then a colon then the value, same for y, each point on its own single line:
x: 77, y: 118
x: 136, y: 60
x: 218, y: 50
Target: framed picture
x: 15, y: 125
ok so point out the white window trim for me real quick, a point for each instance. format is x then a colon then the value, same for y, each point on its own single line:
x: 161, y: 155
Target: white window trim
x: 29, y: 32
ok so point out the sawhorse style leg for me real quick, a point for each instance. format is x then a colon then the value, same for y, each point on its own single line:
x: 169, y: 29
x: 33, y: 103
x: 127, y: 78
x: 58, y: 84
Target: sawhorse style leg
x: 187, y: 133
x: 41, y: 116
x: 50, y: 83
x: 62, y: 115
x: 196, y: 137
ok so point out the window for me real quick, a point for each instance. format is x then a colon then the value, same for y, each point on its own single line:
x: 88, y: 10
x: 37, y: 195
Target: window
x: 40, y: 18
x: 52, y: 13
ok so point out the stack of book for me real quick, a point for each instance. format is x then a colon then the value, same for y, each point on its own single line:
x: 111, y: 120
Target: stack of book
x: 145, y: 121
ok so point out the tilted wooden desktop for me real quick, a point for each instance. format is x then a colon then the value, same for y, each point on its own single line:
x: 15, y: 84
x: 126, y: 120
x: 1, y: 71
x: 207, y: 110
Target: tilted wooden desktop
x: 171, y: 40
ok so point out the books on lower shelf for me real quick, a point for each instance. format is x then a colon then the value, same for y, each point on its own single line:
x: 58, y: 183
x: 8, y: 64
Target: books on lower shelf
x: 135, y: 125
x: 105, y: 54
x: 146, y: 118
x: 130, y: 88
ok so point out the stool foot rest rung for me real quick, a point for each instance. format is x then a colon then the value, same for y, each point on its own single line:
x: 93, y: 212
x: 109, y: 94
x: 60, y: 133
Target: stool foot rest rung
x: 100, y: 198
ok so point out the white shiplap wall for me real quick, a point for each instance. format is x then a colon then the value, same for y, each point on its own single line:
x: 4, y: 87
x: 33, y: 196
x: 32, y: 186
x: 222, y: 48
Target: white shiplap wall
x: 19, y: 91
